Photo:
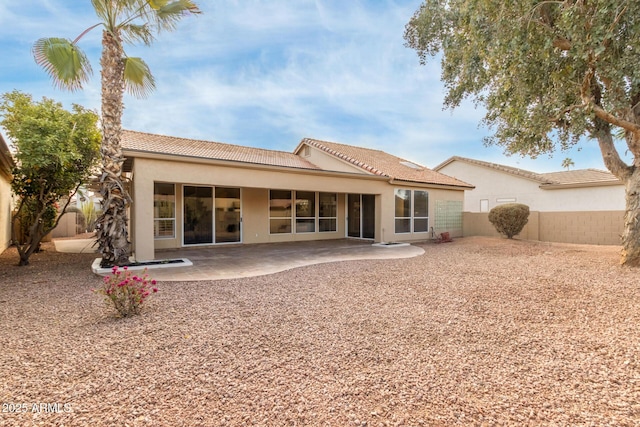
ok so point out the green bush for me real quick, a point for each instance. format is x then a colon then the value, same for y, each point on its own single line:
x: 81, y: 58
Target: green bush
x: 509, y: 219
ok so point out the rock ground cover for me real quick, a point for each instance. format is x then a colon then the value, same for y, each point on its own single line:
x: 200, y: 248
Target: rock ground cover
x: 475, y: 332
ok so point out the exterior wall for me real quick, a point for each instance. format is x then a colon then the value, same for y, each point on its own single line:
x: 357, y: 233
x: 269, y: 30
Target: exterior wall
x: 255, y: 185
x: 66, y: 227
x: 593, y: 228
x: 492, y: 185
x: 5, y: 213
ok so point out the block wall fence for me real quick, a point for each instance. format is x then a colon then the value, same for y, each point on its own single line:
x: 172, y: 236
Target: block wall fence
x: 591, y: 228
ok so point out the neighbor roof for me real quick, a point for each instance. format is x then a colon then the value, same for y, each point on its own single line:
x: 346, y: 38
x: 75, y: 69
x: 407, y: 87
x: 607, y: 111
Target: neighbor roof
x: 161, y: 144
x: 579, y: 177
x: 384, y: 164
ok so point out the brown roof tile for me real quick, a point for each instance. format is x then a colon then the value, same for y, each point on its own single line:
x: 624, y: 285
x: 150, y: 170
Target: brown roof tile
x: 380, y: 163
x: 581, y: 176
x: 151, y: 143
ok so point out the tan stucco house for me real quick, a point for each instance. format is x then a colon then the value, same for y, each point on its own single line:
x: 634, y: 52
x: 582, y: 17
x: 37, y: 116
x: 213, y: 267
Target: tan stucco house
x: 6, y: 165
x: 576, y: 206
x: 198, y: 193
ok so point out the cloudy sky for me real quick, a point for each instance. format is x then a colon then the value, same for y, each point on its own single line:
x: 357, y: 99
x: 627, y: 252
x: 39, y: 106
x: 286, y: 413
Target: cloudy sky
x: 267, y: 73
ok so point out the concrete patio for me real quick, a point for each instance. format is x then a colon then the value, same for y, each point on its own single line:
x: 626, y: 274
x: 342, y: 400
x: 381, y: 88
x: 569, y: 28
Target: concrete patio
x: 234, y: 261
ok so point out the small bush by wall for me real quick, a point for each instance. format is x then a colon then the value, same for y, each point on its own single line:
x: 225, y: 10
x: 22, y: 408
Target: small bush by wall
x: 509, y: 219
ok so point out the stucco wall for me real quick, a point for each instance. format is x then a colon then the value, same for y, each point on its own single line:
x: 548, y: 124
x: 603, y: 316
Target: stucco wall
x: 493, y: 185
x: 593, y: 228
x: 255, y: 185
x: 5, y: 213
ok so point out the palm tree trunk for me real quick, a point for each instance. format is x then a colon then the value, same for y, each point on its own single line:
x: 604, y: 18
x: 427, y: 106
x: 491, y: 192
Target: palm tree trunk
x: 112, y: 232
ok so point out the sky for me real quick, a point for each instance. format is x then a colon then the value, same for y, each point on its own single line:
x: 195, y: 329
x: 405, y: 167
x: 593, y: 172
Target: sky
x: 267, y: 73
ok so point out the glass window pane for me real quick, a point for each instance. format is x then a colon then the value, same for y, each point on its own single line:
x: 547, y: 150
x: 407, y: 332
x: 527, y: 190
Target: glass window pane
x: 198, y: 215
x: 277, y: 226
x: 305, y: 225
x: 164, y: 200
x: 328, y: 225
x: 420, y: 225
x: 403, y: 225
x: 280, y: 203
x: 328, y: 205
x: 305, y: 204
x: 420, y: 203
x: 403, y: 203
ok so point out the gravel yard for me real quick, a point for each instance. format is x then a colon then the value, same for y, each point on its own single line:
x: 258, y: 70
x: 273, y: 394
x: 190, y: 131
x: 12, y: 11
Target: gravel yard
x: 476, y: 332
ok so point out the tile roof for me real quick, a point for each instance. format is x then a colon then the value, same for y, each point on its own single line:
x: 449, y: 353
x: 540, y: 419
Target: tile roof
x: 581, y: 176
x: 549, y: 179
x: 161, y: 144
x: 380, y: 163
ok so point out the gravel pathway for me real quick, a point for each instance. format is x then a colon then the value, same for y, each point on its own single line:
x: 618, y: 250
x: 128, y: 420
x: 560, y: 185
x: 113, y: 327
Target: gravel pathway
x: 476, y: 332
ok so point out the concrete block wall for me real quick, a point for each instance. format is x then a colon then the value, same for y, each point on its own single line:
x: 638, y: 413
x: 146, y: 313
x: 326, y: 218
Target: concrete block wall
x: 593, y: 228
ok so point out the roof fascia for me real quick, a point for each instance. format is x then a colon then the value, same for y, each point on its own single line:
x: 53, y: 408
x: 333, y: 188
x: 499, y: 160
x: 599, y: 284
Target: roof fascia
x: 430, y: 185
x: 580, y: 185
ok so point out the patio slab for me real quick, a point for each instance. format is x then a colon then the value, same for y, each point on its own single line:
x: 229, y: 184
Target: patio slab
x: 235, y: 261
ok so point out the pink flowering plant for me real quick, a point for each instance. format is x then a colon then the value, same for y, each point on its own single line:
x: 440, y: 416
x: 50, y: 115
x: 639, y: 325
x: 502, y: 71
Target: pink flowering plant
x: 126, y: 291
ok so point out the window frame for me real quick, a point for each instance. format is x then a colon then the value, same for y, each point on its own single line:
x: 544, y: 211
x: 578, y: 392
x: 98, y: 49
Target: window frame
x: 281, y: 218
x: 411, y: 219
x: 157, y: 220
x: 328, y: 218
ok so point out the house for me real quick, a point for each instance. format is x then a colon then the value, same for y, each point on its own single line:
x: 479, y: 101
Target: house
x: 575, y: 206
x: 6, y: 165
x: 192, y: 193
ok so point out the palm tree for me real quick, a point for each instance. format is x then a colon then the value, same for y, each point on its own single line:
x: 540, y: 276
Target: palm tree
x: 567, y: 163
x: 123, y: 21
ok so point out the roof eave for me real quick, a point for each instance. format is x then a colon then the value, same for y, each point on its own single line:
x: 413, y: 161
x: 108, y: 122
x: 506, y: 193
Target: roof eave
x: 431, y: 184
x: 580, y: 185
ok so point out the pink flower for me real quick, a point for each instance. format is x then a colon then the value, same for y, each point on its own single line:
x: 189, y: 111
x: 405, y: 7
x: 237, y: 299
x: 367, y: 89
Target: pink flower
x: 153, y: 282
x: 125, y: 268
x: 155, y: 290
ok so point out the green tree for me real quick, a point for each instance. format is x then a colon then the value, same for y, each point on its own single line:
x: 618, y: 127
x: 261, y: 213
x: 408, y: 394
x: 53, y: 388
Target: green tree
x: 567, y: 163
x: 548, y: 74
x: 122, y: 21
x: 56, y: 150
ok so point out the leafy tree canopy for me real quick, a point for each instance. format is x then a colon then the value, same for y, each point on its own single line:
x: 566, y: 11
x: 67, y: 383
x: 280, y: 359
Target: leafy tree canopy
x: 548, y: 72
x: 56, y: 151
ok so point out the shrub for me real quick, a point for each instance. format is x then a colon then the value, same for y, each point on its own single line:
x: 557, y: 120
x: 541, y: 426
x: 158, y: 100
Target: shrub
x: 125, y: 291
x: 509, y: 219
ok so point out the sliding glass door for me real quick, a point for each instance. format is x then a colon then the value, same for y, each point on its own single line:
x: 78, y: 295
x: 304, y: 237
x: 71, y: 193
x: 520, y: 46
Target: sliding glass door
x: 227, y: 215
x: 201, y: 227
x: 198, y: 215
x: 361, y: 215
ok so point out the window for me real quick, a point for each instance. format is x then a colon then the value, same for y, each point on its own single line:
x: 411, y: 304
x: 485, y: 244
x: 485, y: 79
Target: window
x: 305, y: 211
x: 328, y: 212
x: 412, y: 211
x: 280, y: 213
x: 302, y: 212
x: 484, y: 205
x: 164, y: 210
x: 403, y: 211
x: 420, y: 211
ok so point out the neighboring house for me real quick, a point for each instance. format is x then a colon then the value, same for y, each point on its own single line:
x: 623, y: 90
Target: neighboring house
x: 191, y: 193
x: 6, y: 164
x: 579, y: 206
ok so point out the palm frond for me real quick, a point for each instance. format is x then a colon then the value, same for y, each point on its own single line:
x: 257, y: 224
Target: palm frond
x: 132, y: 33
x: 166, y: 14
x: 138, y: 79
x: 65, y: 63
